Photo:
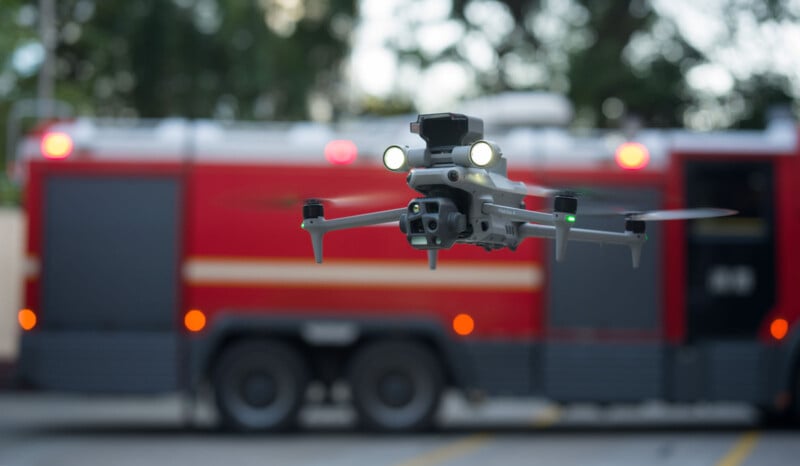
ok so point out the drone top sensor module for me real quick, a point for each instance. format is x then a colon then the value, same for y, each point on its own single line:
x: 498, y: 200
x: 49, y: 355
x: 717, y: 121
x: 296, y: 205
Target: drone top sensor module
x: 467, y: 198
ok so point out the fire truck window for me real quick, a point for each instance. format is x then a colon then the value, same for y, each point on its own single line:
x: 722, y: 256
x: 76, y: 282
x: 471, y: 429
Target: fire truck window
x: 730, y: 261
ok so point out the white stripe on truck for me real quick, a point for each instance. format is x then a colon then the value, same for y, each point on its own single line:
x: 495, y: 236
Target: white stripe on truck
x: 214, y: 271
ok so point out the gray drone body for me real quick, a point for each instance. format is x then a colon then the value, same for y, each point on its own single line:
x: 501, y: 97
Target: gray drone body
x: 468, y: 199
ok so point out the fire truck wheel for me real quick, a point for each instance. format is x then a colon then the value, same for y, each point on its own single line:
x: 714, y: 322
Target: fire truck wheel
x: 259, y: 385
x: 396, y: 386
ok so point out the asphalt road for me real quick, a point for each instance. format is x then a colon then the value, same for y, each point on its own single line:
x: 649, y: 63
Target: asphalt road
x: 38, y: 429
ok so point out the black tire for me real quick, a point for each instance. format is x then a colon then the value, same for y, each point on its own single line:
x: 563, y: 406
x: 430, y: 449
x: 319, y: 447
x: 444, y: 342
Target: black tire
x: 396, y: 386
x: 789, y: 417
x: 794, y: 409
x: 259, y: 385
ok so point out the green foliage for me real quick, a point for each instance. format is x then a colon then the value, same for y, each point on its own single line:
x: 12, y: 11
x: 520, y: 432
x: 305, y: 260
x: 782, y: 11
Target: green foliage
x: 600, y: 71
x: 191, y: 58
x: 9, y: 192
x: 614, y: 59
x: 203, y: 58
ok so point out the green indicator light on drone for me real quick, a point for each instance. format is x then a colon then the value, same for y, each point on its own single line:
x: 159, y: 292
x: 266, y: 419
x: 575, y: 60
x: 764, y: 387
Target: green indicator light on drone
x: 303, y: 225
x: 570, y: 218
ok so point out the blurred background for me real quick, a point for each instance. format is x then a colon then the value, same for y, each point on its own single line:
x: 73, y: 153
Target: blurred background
x: 702, y: 65
x: 623, y: 65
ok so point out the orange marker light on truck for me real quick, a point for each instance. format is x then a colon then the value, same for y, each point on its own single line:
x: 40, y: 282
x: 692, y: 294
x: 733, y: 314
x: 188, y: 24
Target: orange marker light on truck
x: 463, y: 324
x: 779, y: 328
x: 194, y: 320
x: 27, y: 319
x: 56, y: 145
x: 632, y: 156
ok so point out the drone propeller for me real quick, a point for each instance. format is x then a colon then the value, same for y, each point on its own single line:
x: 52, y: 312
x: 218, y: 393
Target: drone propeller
x: 359, y: 200
x: 293, y: 200
x: 678, y: 214
x: 536, y: 190
x: 526, y: 189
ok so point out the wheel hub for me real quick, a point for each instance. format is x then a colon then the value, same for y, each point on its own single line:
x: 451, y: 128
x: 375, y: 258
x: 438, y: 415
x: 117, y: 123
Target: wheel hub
x: 395, y: 389
x: 259, y: 389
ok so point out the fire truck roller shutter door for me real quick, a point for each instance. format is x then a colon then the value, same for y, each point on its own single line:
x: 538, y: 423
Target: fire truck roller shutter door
x: 109, y: 286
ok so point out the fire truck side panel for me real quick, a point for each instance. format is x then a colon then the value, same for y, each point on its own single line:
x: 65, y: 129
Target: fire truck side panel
x: 108, y: 281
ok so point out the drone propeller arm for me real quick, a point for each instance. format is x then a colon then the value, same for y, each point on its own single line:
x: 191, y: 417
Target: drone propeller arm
x: 630, y: 239
x: 318, y: 226
x: 561, y: 222
x: 355, y: 221
x: 519, y: 215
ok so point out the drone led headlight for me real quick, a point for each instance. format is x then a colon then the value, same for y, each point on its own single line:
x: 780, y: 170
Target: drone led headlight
x: 483, y: 154
x: 395, y: 158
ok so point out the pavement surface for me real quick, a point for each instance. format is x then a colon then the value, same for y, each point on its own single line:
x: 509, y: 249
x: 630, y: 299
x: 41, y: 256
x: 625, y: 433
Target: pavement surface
x: 47, y: 429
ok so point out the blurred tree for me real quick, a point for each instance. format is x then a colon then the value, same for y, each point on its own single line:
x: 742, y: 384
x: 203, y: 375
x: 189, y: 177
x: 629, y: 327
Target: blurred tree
x: 608, y: 83
x: 267, y: 59
x: 576, y: 47
x: 255, y: 59
x: 18, y: 55
x: 615, y: 59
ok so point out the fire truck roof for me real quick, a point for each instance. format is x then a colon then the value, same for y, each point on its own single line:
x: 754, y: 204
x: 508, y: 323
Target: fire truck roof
x: 302, y: 143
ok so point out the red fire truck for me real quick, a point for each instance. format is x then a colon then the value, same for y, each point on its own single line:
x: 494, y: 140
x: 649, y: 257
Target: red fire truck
x: 168, y: 256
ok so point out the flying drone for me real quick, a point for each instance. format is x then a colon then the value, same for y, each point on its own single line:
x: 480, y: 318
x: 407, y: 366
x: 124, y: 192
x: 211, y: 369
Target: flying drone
x: 467, y: 198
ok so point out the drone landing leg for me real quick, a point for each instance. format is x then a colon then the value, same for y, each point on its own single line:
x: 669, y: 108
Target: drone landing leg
x: 315, y: 228
x: 316, y: 225
x: 432, y: 255
x: 636, y: 254
x: 630, y: 239
x: 562, y: 237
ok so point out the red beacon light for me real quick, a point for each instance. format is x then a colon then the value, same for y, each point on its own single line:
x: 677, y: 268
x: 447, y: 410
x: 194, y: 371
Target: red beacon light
x: 632, y: 156
x: 56, y: 146
x: 341, y: 152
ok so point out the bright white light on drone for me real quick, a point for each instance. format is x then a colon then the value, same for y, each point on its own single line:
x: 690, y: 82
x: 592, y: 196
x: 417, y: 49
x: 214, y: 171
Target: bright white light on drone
x: 482, y: 154
x: 395, y: 159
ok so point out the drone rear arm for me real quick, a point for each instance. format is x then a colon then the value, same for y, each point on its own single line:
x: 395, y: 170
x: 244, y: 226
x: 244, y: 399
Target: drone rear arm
x: 628, y: 238
x: 561, y: 222
x: 318, y: 226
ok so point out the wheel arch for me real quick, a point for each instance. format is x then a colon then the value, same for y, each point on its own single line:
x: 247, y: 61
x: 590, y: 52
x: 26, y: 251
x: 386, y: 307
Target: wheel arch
x: 345, y: 335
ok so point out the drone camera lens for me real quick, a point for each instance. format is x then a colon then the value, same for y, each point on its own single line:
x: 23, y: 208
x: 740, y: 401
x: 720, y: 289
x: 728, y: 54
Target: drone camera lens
x: 432, y: 225
x: 452, y: 175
